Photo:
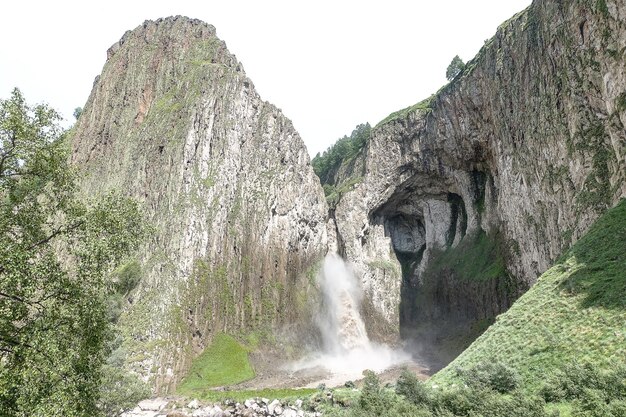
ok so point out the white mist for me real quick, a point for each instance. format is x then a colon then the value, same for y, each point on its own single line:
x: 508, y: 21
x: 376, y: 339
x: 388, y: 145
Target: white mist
x: 346, y: 349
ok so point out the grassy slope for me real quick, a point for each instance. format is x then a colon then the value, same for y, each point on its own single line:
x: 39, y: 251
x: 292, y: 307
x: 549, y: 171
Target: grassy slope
x: 225, y: 362
x: 575, y: 312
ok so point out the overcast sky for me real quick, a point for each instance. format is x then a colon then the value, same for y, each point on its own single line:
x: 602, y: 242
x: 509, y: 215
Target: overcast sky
x: 329, y: 65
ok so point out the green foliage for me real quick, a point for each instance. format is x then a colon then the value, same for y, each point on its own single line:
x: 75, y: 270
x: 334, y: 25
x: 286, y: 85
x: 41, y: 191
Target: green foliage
x: 576, y: 381
x: 225, y: 362
x: 376, y: 401
x: 386, y: 266
x: 597, y: 191
x: 120, y: 391
x: 413, y: 399
x: 602, y: 8
x: 412, y: 388
x: 77, y: 112
x: 455, y: 68
x: 403, y: 113
x: 371, y: 394
x: 333, y: 194
x: 55, y: 254
x: 492, y: 375
x: 475, y: 258
x: 344, y: 149
x: 127, y: 277
x: 575, y: 312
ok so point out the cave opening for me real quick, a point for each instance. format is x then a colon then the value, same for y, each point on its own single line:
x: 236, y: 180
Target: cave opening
x: 408, y: 237
x: 454, y: 282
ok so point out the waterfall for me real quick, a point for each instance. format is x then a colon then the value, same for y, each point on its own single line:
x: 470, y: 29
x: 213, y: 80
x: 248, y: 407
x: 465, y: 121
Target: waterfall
x: 346, y: 349
x: 339, y: 320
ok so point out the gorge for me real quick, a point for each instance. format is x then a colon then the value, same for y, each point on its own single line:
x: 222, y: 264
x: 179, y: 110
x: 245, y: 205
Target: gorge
x: 449, y: 212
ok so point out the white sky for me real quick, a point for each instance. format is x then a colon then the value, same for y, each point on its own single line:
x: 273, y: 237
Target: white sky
x: 329, y: 65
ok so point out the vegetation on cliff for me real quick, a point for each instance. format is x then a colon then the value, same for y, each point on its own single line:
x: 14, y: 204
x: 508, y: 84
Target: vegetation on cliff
x: 326, y: 164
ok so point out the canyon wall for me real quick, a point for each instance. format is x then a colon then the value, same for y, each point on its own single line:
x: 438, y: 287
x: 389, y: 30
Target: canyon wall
x: 238, y: 217
x: 450, y: 211
x: 462, y: 200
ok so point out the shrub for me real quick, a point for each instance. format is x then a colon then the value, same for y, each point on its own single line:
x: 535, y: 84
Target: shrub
x: 496, y: 376
x: 376, y: 401
x: 459, y: 402
x: 412, y: 389
x: 371, y: 394
x: 120, y: 391
x: 571, y: 383
x: 127, y: 277
x: 517, y: 405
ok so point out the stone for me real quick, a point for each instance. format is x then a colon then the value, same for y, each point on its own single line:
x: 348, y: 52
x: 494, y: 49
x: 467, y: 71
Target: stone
x: 154, y: 404
x: 271, y: 407
x: 248, y: 412
x: 204, y: 412
x: 216, y: 411
x: 289, y: 412
x: 193, y: 404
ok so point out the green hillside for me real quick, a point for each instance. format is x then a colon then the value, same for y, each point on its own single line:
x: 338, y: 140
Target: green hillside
x: 576, y: 312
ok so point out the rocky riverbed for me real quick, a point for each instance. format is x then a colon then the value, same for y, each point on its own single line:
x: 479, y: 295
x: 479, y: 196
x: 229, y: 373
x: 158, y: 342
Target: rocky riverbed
x: 257, y: 407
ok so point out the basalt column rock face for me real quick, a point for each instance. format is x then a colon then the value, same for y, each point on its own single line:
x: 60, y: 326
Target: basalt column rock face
x: 467, y: 197
x: 238, y: 215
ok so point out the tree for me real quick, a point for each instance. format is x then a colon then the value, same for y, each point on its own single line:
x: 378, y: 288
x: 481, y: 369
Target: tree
x: 77, y: 112
x: 55, y: 255
x: 345, y: 148
x: 455, y: 68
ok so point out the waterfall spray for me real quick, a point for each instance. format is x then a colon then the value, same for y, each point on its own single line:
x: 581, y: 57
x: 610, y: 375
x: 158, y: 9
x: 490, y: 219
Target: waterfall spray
x: 346, y: 349
x: 339, y: 320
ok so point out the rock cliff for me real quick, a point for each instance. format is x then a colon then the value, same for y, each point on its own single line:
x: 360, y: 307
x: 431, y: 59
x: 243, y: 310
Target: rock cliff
x: 467, y: 197
x: 450, y: 211
x: 238, y: 215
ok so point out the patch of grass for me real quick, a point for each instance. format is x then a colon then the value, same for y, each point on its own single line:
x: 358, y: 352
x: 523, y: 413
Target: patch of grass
x: 477, y: 257
x: 334, y: 193
x: 401, y: 114
x: 575, y: 312
x: 386, y: 266
x: 225, y: 362
x: 284, y: 394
